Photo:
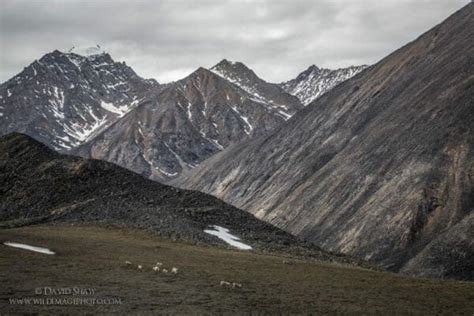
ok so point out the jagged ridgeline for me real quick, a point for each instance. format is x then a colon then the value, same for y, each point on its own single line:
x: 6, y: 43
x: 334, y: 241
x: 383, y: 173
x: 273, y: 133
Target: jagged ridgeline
x: 85, y: 103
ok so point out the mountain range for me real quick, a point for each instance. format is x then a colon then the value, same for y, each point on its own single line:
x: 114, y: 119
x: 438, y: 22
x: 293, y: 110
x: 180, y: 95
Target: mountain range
x: 374, y: 162
x: 92, y: 106
x: 189, y: 121
x: 380, y: 167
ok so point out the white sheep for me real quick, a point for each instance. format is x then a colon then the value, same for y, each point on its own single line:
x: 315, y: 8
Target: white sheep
x: 158, y: 264
x: 225, y: 283
x: 234, y: 285
x: 174, y: 270
x: 128, y: 263
x: 140, y: 267
x: 156, y: 269
x: 165, y: 270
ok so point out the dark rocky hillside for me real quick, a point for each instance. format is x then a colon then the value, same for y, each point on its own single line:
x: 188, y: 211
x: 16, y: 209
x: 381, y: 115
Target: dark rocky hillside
x: 380, y: 167
x: 38, y: 185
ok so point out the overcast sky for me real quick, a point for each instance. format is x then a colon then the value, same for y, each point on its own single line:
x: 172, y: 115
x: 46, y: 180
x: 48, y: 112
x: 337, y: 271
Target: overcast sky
x: 167, y: 40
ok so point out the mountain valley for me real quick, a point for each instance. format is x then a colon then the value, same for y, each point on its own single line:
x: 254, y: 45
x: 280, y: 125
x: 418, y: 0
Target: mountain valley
x: 380, y: 167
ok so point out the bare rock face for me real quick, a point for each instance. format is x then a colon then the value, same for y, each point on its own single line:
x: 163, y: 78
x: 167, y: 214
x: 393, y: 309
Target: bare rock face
x: 380, y: 167
x: 449, y: 255
x: 189, y: 121
x: 65, y: 99
x: 315, y: 81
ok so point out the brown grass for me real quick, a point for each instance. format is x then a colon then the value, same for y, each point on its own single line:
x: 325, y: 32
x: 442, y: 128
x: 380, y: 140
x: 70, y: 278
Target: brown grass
x: 93, y: 257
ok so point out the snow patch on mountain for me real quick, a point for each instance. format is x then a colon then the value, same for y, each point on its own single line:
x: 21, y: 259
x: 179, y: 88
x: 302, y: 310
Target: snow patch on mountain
x: 314, y: 82
x: 249, y: 127
x: 87, y: 51
x: 82, y: 133
x: 120, y: 110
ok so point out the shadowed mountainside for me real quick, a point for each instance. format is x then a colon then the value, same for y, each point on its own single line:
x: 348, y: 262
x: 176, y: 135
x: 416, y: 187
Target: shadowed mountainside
x: 38, y: 185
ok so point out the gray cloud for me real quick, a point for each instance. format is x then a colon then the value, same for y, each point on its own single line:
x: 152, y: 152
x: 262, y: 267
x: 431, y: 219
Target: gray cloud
x: 168, y: 39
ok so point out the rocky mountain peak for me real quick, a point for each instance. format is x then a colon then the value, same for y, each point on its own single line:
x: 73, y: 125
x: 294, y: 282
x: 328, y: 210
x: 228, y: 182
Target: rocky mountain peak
x: 312, y: 68
x: 234, y: 70
x: 199, y: 73
x: 64, y: 99
x: 315, y: 81
x: 223, y: 63
x: 260, y: 90
x: 191, y: 120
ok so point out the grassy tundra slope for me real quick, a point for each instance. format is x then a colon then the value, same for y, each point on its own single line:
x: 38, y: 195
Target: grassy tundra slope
x: 93, y: 257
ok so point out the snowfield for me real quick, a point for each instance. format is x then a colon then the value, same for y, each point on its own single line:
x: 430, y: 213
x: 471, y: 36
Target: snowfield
x: 224, y: 234
x: 28, y: 247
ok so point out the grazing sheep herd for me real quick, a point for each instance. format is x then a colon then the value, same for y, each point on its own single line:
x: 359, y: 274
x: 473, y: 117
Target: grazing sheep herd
x: 232, y: 285
x: 158, y: 267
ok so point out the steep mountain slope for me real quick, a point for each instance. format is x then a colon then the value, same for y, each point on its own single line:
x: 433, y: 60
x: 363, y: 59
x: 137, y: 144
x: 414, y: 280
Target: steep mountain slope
x: 261, y: 91
x: 379, y: 167
x: 38, y: 185
x: 314, y: 81
x: 189, y: 121
x: 64, y: 99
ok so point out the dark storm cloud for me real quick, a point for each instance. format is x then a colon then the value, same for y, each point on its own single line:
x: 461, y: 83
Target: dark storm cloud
x: 169, y: 39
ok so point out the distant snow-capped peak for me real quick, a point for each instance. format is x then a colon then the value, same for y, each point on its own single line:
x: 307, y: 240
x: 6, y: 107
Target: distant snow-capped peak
x: 315, y: 81
x: 65, y: 99
x: 87, y: 51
